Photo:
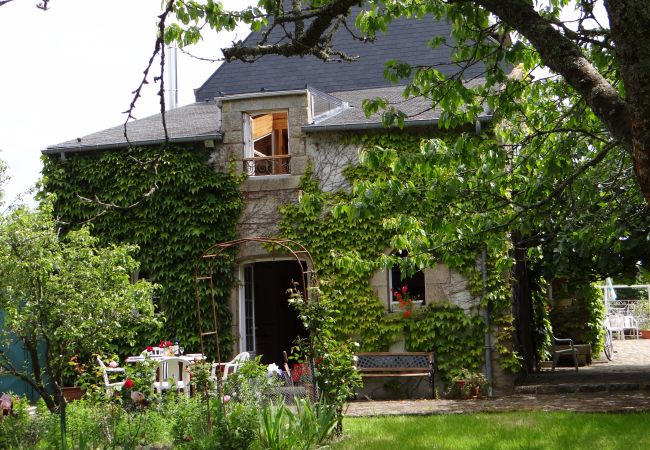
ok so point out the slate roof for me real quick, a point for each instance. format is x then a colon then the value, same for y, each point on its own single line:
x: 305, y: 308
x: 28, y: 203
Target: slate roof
x: 417, y: 109
x: 405, y: 40
x: 195, y: 122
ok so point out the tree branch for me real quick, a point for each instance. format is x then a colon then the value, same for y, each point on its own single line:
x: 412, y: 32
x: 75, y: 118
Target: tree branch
x: 315, y: 40
x: 561, y: 55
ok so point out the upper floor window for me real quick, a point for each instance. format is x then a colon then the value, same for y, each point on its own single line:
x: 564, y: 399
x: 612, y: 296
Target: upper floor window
x: 266, y: 150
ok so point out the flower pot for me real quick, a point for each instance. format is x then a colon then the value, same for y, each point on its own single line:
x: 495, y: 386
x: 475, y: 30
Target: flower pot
x: 475, y: 392
x: 73, y: 393
x: 645, y: 334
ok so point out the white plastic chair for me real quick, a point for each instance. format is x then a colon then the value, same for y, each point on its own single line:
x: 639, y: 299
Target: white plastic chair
x: 631, y: 324
x: 230, y: 366
x: 616, y: 325
x: 111, y: 386
x: 172, y: 372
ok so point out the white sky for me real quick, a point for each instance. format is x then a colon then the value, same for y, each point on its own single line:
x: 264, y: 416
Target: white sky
x: 69, y: 71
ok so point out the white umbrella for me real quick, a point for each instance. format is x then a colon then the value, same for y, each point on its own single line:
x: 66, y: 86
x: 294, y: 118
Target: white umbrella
x: 610, y: 293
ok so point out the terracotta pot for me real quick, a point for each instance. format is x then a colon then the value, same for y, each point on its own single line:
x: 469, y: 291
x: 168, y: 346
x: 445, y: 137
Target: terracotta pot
x: 476, y: 392
x: 73, y: 393
x: 645, y: 334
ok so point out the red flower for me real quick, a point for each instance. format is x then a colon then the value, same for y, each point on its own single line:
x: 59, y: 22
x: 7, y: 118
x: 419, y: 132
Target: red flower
x: 128, y: 383
x: 161, y: 344
x: 398, y: 296
x: 407, y: 313
x: 149, y: 348
x: 298, y: 370
x: 168, y: 344
x: 405, y: 288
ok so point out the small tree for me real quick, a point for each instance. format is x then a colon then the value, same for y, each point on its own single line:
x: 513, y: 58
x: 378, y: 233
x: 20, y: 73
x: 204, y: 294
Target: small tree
x: 64, y: 295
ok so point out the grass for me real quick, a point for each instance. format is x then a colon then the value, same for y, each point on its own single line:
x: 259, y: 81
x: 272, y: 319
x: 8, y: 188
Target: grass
x: 529, y: 430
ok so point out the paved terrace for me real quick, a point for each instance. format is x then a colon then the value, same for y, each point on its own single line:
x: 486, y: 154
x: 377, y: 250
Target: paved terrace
x: 622, y: 385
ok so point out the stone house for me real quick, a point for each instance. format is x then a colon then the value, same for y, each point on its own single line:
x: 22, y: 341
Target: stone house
x: 273, y: 119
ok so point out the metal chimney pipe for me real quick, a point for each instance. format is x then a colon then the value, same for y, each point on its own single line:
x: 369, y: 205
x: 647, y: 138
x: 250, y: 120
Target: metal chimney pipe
x: 172, y: 77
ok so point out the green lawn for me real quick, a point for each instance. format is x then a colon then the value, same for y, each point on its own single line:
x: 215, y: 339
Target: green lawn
x: 530, y: 430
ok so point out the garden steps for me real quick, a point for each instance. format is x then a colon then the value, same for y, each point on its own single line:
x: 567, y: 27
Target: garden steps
x: 629, y: 371
x: 563, y: 388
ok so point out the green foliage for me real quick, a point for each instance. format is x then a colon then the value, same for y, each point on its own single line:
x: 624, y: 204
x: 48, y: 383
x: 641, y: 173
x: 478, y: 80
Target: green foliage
x: 3, y: 178
x: 310, y: 425
x: 68, y: 294
x: 355, y: 308
x: 466, y: 384
x: 18, y: 431
x: 581, y: 316
x: 331, y: 356
x: 347, y: 235
x: 455, y: 338
x: 178, y: 207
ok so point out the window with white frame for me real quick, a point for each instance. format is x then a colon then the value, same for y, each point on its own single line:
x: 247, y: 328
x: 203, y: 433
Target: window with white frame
x: 405, y: 292
x: 266, y: 145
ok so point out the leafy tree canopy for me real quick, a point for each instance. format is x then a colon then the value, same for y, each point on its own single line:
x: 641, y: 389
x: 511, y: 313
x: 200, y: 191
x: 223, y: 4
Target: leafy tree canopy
x: 67, y: 296
x: 3, y: 178
x: 598, y: 63
x: 569, y: 146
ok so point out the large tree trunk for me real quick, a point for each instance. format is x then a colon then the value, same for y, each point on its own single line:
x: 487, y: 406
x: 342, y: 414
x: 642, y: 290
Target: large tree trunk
x: 522, y: 305
x: 627, y: 118
x: 630, y: 25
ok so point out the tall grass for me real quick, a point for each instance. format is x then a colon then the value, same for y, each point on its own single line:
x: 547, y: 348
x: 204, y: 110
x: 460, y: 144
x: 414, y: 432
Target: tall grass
x: 529, y: 430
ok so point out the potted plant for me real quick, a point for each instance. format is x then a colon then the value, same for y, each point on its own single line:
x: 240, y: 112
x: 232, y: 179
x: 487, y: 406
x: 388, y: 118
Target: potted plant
x: 403, y: 301
x: 468, y: 384
x: 642, y: 315
x: 71, y: 389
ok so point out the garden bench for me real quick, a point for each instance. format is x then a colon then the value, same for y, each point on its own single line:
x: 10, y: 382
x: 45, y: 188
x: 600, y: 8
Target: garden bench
x: 399, y: 364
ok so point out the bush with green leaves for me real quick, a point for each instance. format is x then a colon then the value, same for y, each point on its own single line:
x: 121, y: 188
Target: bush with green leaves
x: 66, y: 294
x: 333, y: 358
x: 306, y: 427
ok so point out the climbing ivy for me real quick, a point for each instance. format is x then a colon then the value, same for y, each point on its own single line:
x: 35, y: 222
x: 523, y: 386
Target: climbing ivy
x: 349, y: 246
x: 455, y: 337
x: 181, y: 207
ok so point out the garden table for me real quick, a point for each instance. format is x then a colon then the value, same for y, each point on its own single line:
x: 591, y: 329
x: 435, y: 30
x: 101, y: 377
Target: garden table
x: 189, y: 359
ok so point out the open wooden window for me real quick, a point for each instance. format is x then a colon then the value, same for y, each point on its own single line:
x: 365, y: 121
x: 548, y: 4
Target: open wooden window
x: 266, y: 143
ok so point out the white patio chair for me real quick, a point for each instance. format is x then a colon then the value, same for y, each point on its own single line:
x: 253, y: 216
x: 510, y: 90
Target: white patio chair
x: 616, y: 325
x: 630, y: 324
x: 172, y: 373
x: 230, y: 366
x: 111, y: 386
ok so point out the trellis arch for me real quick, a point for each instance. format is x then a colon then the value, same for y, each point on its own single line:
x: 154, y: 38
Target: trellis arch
x: 203, y: 274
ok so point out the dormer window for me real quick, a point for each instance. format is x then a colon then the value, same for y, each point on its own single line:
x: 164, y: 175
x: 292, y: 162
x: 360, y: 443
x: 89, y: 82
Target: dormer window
x: 266, y: 148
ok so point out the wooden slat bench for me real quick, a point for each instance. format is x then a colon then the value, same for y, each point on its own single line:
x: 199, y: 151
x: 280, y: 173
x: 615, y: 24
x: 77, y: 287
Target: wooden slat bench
x: 399, y: 364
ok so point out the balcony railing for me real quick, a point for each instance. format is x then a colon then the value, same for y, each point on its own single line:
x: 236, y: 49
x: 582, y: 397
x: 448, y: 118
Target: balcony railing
x: 267, y: 165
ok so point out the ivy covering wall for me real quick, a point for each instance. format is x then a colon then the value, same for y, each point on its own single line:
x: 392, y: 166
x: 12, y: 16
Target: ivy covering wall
x: 350, y: 247
x: 182, y: 206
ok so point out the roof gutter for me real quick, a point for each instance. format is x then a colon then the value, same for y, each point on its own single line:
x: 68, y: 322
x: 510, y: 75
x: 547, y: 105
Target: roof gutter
x: 378, y: 125
x: 261, y: 94
x: 90, y: 148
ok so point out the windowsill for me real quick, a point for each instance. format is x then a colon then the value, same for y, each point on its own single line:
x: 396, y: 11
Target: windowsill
x: 395, y: 306
x: 271, y: 175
